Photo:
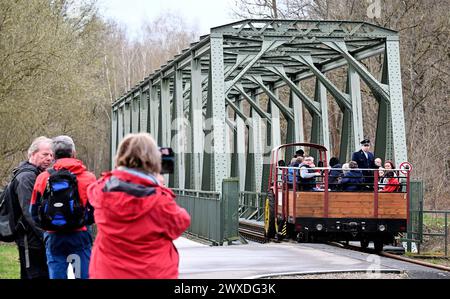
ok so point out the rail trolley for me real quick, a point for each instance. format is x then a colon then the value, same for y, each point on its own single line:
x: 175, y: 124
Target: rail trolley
x: 332, y: 215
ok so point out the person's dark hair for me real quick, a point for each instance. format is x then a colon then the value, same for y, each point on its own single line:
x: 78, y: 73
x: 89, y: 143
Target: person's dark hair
x: 389, y: 174
x: 352, y: 164
x: 281, y: 163
x: 334, y: 161
x: 299, y: 152
x: 63, y: 147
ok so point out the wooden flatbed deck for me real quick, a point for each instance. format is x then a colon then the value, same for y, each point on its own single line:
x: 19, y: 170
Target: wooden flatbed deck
x: 348, y: 205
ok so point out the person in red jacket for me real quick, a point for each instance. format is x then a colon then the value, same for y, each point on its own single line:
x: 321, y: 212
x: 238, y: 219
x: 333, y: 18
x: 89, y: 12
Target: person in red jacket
x: 65, y: 246
x: 393, y: 184
x: 137, y: 217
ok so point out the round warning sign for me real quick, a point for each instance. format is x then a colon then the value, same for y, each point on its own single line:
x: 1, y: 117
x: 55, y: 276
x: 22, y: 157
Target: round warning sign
x: 405, y: 167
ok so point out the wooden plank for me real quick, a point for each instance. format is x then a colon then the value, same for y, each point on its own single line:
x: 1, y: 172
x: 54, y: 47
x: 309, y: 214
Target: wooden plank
x: 348, y: 205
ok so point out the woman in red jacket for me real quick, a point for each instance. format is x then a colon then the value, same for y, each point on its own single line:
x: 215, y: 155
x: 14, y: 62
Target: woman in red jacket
x: 137, y: 217
x: 393, y: 185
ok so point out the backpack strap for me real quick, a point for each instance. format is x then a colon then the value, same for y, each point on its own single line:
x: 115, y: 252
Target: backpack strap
x: 51, y: 171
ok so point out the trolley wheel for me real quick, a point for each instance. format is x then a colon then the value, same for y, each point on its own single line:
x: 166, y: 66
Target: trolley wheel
x: 364, y: 243
x: 269, y: 217
x: 378, y: 245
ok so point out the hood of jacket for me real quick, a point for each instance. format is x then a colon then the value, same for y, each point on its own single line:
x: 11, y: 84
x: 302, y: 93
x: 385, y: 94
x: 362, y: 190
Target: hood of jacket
x: 25, y: 165
x: 73, y: 165
x: 124, y: 196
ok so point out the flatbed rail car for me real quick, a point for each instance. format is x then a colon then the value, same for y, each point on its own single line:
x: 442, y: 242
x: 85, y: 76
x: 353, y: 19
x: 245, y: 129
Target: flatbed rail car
x: 329, y: 215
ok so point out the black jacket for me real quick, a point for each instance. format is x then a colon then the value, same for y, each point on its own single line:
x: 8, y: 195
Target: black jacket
x: 363, y: 162
x: 22, y: 187
x: 352, y: 181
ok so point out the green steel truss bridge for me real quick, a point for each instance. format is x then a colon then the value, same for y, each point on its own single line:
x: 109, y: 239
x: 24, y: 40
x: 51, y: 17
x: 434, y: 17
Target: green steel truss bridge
x: 196, y: 102
x: 238, y: 63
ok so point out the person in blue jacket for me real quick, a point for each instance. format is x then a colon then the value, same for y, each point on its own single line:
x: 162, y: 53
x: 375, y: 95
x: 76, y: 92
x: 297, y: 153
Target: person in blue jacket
x: 353, y: 180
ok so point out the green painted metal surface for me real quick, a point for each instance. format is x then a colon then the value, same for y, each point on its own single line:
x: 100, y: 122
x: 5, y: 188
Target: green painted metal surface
x: 214, y: 217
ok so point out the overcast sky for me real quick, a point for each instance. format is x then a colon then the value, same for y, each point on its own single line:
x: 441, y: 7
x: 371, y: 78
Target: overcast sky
x: 200, y: 14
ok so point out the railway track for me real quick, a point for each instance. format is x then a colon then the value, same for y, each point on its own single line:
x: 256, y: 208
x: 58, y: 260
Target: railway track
x: 390, y: 255
x: 254, y: 231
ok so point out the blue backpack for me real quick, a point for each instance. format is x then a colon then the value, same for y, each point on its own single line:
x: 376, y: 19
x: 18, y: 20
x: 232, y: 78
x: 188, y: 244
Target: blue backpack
x: 60, y: 207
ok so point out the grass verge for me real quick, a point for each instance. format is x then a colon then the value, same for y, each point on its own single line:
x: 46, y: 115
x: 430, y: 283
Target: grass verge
x: 9, y: 261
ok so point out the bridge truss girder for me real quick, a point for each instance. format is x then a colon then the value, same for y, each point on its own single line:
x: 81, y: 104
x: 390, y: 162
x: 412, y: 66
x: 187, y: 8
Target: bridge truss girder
x: 196, y: 102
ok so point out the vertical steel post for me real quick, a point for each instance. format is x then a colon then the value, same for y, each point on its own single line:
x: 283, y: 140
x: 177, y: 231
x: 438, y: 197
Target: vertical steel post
x: 127, y: 118
x: 135, y: 114
x: 354, y: 89
x: 195, y: 150
x: 294, y: 127
x: 383, y: 142
x: 143, y: 111
x: 320, y: 132
x: 114, y: 135
x: 396, y: 100
x: 239, y: 147
x: 153, y: 111
x: 164, y: 114
x: 268, y: 144
x: 254, y: 160
x: 276, y: 122
x: 120, y: 124
x: 178, y: 133
x: 215, y: 161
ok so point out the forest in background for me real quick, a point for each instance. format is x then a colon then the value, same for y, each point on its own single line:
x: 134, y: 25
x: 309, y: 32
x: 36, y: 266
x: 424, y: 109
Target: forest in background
x: 62, y: 64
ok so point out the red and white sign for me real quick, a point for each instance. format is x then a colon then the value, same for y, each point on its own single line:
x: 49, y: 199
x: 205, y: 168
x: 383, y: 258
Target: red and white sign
x: 405, y: 167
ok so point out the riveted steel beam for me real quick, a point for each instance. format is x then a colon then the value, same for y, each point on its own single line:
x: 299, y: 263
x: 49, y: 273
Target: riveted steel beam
x: 396, y: 100
x: 254, y: 161
x: 195, y: 150
x: 295, y: 131
x: 313, y: 108
x: 164, y: 114
x: 287, y: 112
x: 236, y: 109
x: 320, y: 129
x: 238, y: 153
x: 252, y: 103
x: 143, y: 108
x: 215, y: 164
x: 341, y: 98
x: 377, y: 87
x: 266, y: 46
x: 177, y: 180
x: 114, y: 135
x: 352, y: 123
x: 153, y: 112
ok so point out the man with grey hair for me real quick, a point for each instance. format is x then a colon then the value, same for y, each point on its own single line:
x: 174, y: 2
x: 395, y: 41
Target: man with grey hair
x: 66, y: 246
x: 29, y: 238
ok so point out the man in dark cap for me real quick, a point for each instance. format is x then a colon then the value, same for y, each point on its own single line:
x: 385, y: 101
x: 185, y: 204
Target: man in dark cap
x: 365, y: 160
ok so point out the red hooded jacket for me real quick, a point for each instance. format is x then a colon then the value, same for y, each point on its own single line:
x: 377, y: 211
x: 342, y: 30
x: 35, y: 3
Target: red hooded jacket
x: 84, y: 179
x: 137, y: 220
x: 393, y: 185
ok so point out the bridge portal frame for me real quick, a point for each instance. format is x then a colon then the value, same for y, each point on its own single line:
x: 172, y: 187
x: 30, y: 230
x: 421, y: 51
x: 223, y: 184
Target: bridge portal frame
x: 187, y: 103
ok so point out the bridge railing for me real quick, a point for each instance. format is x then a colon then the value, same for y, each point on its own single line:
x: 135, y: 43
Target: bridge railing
x: 251, y: 205
x: 214, y: 216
